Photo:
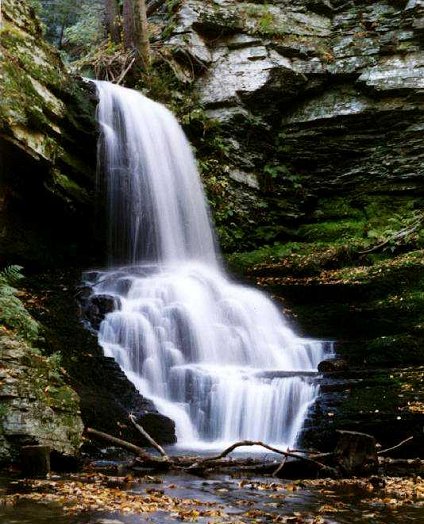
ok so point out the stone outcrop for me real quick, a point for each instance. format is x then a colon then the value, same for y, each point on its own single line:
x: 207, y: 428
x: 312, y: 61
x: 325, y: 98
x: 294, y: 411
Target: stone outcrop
x: 317, y: 115
x: 47, y: 146
x: 313, y: 99
x: 36, y: 406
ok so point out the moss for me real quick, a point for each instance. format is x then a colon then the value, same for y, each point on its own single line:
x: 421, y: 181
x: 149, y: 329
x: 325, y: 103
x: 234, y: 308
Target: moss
x: 338, y: 208
x: 333, y: 231
x: 69, y: 188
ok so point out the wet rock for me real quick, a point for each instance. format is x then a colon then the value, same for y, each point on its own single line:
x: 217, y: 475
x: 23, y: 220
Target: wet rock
x: 37, y: 407
x: 47, y: 143
x: 332, y: 365
x: 160, y: 427
x: 35, y: 461
x: 107, y: 397
x: 356, y: 453
x: 98, y: 306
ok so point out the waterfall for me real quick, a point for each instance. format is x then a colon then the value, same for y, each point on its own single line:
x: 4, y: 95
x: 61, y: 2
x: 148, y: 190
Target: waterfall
x: 209, y: 352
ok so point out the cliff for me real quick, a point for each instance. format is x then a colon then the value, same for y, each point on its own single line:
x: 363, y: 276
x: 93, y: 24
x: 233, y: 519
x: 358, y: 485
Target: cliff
x: 47, y: 221
x: 47, y: 146
x: 311, y: 147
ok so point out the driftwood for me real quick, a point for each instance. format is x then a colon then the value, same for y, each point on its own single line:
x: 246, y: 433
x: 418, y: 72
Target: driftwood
x: 198, y: 465
x: 244, y: 443
x: 143, y: 432
x: 355, y: 453
x: 383, y: 451
x: 139, y: 452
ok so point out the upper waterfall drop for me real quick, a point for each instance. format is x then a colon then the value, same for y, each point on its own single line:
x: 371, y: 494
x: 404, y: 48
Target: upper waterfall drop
x: 209, y: 352
x: 157, y: 211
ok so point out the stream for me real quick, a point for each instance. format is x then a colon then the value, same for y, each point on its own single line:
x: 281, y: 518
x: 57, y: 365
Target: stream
x: 224, y: 499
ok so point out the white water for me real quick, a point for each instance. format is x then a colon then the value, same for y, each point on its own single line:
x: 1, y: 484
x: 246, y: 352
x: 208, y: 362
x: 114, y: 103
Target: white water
x: 190, y: 339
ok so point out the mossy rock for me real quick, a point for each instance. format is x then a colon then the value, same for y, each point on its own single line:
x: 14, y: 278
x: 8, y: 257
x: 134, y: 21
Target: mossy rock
x: 48, y: 143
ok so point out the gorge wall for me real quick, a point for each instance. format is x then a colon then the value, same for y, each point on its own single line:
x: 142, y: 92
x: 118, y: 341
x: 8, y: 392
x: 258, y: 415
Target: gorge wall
x: 313, y: 101
x: 47, y: 145
x: 48, y: 224
x: 307, y: 120
x: 310, y: 141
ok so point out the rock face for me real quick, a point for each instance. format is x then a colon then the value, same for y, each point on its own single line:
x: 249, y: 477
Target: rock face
x: 317, y: 116
x: 37, y: 407
x: 47, y: 204
x: 313, y: 99
x: 107, y: 397
x: 47, y: 146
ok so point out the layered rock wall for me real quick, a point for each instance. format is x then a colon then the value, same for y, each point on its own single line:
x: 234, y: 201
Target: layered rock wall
x: 47, y: 146
x: 36, y: 406
x: 314, y: 100
x: 317, y: 135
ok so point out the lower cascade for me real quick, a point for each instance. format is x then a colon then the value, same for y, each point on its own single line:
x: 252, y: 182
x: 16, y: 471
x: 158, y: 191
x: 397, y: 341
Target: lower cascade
x: 215, y: 356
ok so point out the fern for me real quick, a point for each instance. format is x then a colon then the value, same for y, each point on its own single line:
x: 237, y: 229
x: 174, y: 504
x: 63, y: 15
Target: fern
x: 13, y: 314
x: 10, y: 276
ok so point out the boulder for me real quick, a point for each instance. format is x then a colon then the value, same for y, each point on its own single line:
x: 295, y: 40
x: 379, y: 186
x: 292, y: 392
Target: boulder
x: 37, y: 407
x: 356, y: 453
x: 98, y: 306
x: 332, y: 364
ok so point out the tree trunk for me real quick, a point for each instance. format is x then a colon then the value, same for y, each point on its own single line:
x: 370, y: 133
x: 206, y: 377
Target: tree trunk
x: 136, y: 34
x: 112, y: 20
x: 128, y: 24
x: 141, y: 32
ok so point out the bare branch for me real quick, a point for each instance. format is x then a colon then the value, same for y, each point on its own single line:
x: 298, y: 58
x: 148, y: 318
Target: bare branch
x: 394, y: 447
x: 143, y: 432
x: 242, y: 443
x: 122, y: 444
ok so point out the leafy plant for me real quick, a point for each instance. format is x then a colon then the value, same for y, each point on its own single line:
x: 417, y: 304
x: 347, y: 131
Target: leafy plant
x: 400, y: 230
x: 13, y: 314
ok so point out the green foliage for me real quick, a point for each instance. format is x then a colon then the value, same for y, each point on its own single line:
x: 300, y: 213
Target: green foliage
x: 399, y: 230
x: 266, y: 254
x: 13, y: 314
x: 11, y: 275
x: 265, y: 21
x: 281, y: 174
x: 74, y: 24
x: 333, y: 231
x: 87, y: 30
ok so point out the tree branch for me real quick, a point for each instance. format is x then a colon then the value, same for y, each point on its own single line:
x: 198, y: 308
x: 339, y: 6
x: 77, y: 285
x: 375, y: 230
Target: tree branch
x: 123, y: 444
x: 242, y: 443
x: 394, y: 447
x: 143, y: 432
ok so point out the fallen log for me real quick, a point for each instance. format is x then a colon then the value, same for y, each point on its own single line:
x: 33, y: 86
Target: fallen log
x: 198, y: 465
x: 139, y: 452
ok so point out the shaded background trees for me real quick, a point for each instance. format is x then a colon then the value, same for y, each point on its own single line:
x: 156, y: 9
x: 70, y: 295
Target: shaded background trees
x: 75, y: 26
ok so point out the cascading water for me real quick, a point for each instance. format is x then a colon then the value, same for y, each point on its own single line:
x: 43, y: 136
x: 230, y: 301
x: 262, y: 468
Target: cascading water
x: 210, y: 353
